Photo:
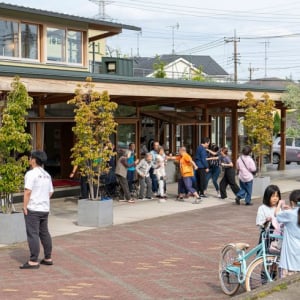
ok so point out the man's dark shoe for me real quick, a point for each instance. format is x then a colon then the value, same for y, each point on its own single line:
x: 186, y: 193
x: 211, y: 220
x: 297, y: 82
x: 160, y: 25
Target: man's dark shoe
x: 237, y: 200
x: 249, y: 204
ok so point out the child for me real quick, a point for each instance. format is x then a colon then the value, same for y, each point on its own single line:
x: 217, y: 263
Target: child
x: 229, y: 174
x: 266, y: 214
x: 290, y: 217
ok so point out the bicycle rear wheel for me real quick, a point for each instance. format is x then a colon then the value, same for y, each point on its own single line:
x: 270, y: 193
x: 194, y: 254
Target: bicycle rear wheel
x: 228, y: 277
x: 257, y: 274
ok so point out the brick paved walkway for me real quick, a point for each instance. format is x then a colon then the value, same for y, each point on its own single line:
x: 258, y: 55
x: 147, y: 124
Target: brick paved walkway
x: 173, y: 257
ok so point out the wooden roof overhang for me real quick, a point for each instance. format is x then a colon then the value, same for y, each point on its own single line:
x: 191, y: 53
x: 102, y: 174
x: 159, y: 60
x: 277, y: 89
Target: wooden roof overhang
x: 56, y: 86
x: 39, y: 16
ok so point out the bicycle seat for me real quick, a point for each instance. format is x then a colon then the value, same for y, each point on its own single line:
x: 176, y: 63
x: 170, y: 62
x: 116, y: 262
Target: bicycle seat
x: 242, y: 246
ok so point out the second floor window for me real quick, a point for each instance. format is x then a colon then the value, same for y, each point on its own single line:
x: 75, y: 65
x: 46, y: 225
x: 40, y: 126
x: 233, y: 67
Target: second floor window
x: 18, y: 40
x: 64, y: 46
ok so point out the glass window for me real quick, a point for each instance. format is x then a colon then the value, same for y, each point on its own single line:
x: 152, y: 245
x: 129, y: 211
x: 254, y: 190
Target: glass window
x: 9, y: 38
x: 125, y: 135
x: 289, y: 142
x: 297, y: 142
x: 29, y: 41
x: 74, y: 47
x: 56, y: 45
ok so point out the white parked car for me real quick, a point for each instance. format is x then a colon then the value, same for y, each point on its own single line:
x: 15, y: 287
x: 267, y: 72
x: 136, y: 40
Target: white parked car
x: 292, y: 150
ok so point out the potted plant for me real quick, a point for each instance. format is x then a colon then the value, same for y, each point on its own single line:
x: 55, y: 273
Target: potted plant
x: 14, y: 141
x: 259, y: 126
x: 94, y: 125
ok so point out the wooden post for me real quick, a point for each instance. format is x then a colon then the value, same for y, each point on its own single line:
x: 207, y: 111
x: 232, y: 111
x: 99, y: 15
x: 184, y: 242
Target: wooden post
x: 234, y: 134
x: 138, y: 132
x: 205, y: 128
x: 40, y: 127
x: 281, y: 165
x: 171, y: 149
x: 174, y: 138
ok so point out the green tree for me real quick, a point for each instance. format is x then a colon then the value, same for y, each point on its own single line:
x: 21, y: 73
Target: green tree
x: 277, y: 124
x: 14, y: 141
x: 159, y: 68
x: 94, y: 125
x: 198, y: 76
x: 291, y: 99
x: 259, y: 124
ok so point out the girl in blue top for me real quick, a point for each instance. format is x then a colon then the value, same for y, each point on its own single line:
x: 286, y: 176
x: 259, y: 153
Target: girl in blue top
x: 290, y: 217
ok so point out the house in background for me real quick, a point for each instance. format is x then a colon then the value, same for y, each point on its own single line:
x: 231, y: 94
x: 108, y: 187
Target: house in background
x: 182, y: 67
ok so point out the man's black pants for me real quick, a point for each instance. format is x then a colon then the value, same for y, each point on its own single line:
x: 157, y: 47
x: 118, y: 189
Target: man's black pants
x: 37, y: 230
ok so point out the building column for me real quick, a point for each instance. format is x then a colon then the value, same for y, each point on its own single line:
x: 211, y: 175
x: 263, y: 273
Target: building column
x: 138, y: 132
x: 282, y: 162
x: 234, y: 134
x: 205, y: 128
x: 40, y: 127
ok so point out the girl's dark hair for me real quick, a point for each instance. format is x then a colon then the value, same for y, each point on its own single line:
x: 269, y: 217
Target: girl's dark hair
x: 295, y: 198
x: 269, y: 191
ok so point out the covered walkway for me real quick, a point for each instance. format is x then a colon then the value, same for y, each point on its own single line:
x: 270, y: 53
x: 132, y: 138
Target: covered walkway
x: 175, y: 112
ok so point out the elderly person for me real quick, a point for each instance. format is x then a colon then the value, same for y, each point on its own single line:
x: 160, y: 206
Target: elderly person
x: 121, y: 174
x: 143, y: 170
x: 187, y: 167
x: 36, y: 205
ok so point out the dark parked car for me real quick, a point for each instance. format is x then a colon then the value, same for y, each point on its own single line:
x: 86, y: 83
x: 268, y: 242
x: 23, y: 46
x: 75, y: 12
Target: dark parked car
x: 292, y: 150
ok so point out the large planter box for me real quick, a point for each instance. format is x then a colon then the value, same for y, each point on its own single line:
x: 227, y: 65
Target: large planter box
x: 12, y: 228
x: 95, y: 213
x: 259, y: 185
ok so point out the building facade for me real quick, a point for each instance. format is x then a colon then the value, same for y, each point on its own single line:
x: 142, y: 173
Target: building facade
x: 50, y: 53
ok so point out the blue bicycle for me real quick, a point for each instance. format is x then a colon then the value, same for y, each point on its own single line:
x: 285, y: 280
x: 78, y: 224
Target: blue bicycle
x: 263, y: 268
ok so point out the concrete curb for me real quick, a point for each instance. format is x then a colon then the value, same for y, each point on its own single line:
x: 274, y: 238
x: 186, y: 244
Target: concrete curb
x: 273, y: 287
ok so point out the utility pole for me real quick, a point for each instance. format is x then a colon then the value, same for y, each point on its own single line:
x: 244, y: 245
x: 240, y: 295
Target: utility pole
x: 138, y: 43
x: 267, y: 43
x: 234, y: 40
x: 101, y: 9
x: 176, y: 26
x: 251, y: 70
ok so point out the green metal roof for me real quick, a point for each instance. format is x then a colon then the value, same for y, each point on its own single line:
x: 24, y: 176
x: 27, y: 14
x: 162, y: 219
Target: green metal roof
x: 59, y: 74
x: 9, y: 9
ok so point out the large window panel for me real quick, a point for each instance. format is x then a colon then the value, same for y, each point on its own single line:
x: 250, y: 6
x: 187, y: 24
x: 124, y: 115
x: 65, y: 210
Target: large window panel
x: 29, y: 41
x: 74, y: 47
x: 9, y: 38
x: 56, y: 45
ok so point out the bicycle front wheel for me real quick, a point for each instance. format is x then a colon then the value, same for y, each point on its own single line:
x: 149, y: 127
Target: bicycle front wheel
x: 257, y: 274
x: 228, y: 272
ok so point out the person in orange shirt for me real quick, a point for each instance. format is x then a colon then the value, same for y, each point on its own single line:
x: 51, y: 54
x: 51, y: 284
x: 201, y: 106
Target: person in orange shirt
x: 187, y: 167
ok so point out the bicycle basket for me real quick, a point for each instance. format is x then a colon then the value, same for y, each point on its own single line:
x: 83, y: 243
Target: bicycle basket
x: 273, y: 242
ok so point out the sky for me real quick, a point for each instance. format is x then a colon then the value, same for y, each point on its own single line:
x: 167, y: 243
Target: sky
x: 267, y: 31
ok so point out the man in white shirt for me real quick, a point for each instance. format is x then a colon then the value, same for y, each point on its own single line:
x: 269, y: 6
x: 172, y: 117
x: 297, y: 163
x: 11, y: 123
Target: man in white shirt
x: 36, y: 205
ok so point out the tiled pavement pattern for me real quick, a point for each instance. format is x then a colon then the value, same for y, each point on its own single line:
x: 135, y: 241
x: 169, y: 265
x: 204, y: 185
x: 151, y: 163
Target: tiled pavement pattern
x: 172, y: 257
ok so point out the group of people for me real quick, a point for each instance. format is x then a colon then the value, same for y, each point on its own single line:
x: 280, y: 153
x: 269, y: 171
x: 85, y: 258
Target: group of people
x: 207, y: 165
x: 274, y: 212
x: 284, y: 219
x: 151, y: 173
x: 194, y: 174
